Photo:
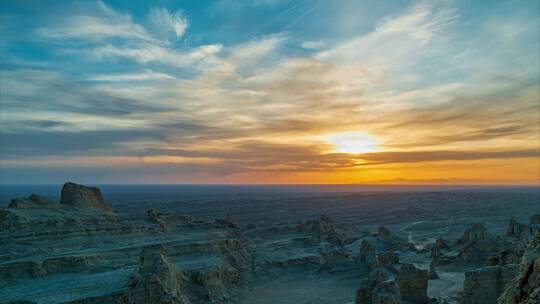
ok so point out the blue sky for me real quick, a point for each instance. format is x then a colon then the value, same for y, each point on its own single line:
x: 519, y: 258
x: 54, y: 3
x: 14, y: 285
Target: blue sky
x: 258, y: 90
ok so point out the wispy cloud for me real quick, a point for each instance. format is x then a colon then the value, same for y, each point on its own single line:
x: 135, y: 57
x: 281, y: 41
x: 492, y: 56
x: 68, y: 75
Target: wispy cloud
x: 397, y: 41
x: 107, y: 23
x: 262, y: 106
x: 143, y: 76
x: 312, y: 44
x: 155, y: 53
x: 166, y: 21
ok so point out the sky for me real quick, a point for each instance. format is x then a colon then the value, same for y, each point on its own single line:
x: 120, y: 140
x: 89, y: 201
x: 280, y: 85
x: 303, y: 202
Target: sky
x: 270, y: 91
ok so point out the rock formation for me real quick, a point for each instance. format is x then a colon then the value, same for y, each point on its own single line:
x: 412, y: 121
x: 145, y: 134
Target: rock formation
x: 535, y: 223
x: 413, y: 283
x: 515, y: 229
x: 435, y: 255
x: 327, y: 231
x: 477, y: 246
x: 476, y: 233
x: 33, y: 201
x: 387, y: 292
x: 387, y: 260
x: 83, y: 197
x: 525, y: 287
x: 323, y: 230
x: 79, y: 252
x: 157, y: 280
x: 484, y: 285
x: 378, y: 288
x: 367, y: 254
x: 79, y: 205
x: 387, y: 241
x: 432, y: 272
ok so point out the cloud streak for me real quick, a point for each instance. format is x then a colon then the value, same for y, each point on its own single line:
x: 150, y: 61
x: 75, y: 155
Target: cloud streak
x: 149, y: 90
x: 107, y: 23
x: 167, y: 21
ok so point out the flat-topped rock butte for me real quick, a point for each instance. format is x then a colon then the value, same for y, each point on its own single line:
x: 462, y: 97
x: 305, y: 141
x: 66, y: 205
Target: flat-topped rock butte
x: 83, y: 250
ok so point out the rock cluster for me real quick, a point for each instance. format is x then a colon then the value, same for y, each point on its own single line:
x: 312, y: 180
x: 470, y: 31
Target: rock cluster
x: 79, y: 205
x: 157, y: 280
x: 325, y: 230
x: 437, y: 257
x: 476, y: 233
x: 378, y: 288
x: 535, y: 223
x: 409, y: 285
x: 413, y: 283
x: 211, y: 261
x: 477, y: 245
x: 368, y: 255
x: 33, y: 201
x: 525, y: 288
x: 515, y: 229
x: 387, y: 260
x: 484, y: 285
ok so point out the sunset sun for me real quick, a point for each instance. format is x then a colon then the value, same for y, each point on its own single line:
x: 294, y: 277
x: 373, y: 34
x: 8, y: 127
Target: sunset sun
x: 353, y: 142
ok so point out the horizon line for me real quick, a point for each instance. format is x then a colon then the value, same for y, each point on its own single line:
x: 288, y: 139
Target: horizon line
x: 288, y: 184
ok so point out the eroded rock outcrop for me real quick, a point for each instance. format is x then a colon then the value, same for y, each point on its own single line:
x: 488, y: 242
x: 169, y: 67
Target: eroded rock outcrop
x: 476, y: 233
x: 413, y: 283
x: 378, y: 288
x: 387, y: 241
x: 33, y: 201
x: 432, y: 272
x: 484, y: 285
x: 327, y: 231
x: 438, y: 258
x: 368, y: 254
x: 535, y: 223
x: 387, y: 260
x: 477, y: 246
x: 80, y: 206
x: 525, y: 287
x: 157, y: 281
x: 515, y: 228
x: 83, y: 197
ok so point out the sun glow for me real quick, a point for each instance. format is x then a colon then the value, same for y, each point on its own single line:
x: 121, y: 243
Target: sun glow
x: 353, y: 142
